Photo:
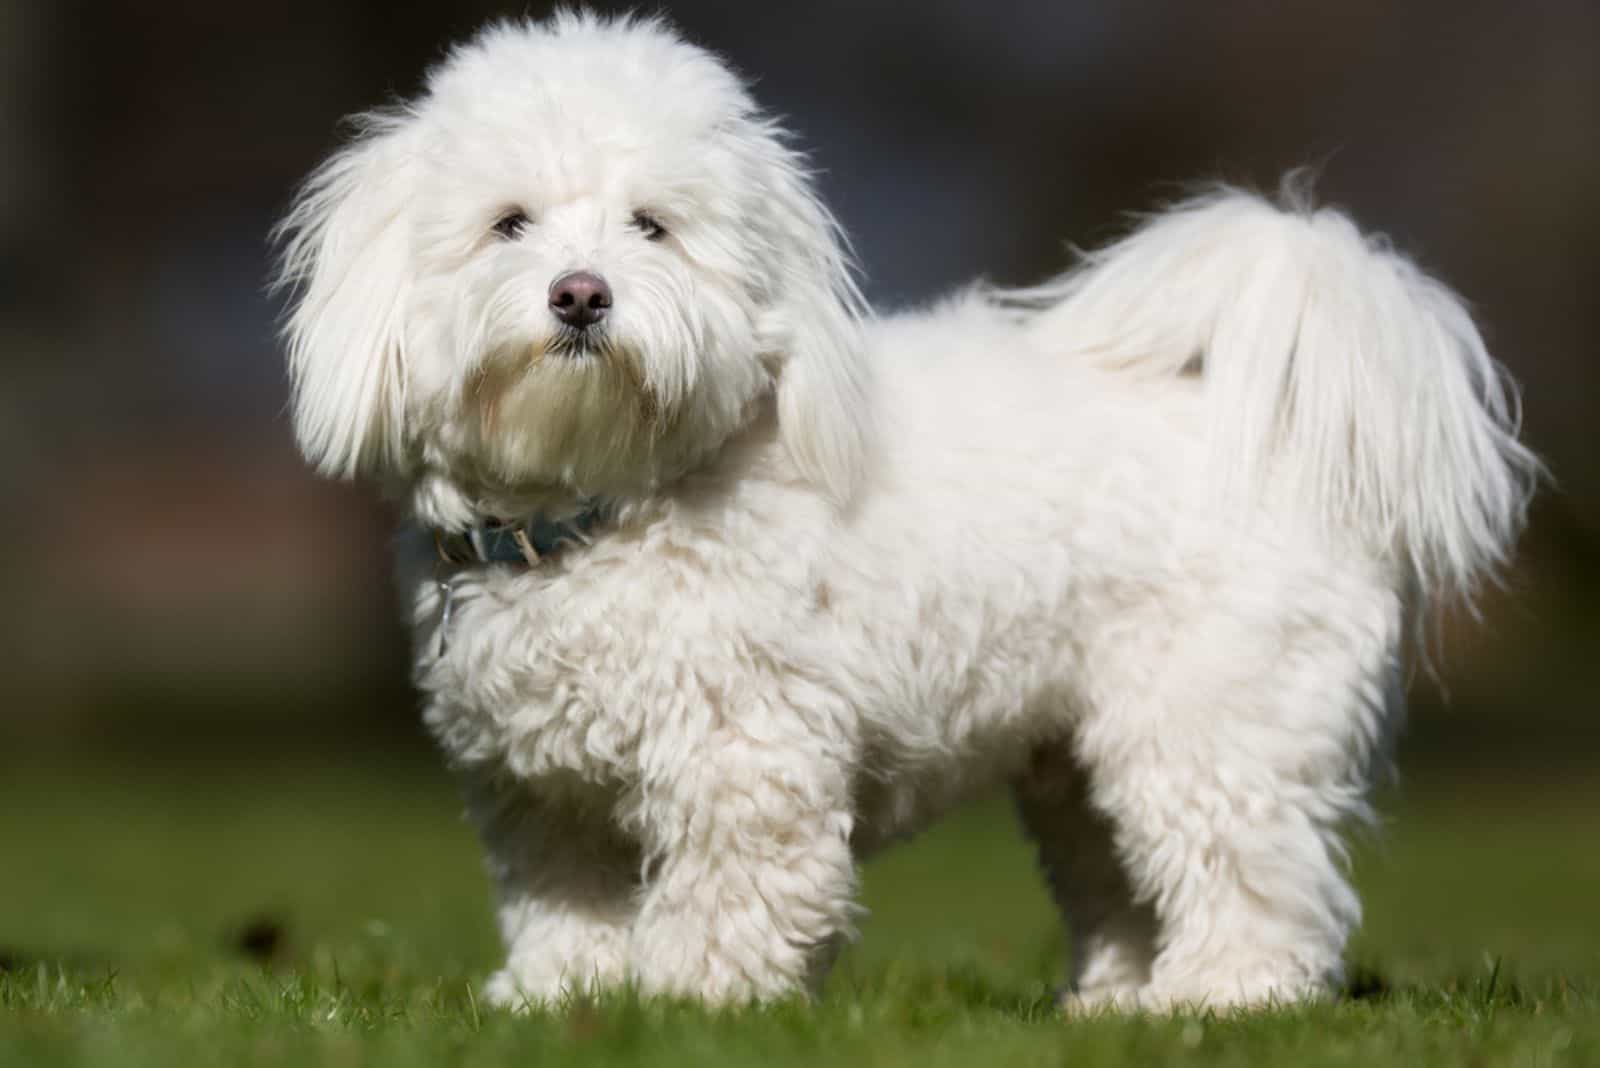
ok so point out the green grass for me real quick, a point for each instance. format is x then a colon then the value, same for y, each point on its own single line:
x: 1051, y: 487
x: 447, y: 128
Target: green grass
x: 124, y: 893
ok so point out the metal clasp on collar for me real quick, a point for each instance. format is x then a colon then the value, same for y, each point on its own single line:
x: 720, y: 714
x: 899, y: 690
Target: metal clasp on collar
x: 500, y: 542
x: 447, y: 597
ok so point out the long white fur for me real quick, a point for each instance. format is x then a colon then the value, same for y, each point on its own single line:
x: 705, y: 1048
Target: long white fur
x: 1142, y: 542
x: 1328, y: 356
x: 345, y: 247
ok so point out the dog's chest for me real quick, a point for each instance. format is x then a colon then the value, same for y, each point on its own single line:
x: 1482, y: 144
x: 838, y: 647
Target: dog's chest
x: 598, y: 670
x: 521, y: 676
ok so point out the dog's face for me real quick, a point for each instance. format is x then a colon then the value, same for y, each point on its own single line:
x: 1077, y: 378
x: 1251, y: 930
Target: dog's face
x: 572, y: 265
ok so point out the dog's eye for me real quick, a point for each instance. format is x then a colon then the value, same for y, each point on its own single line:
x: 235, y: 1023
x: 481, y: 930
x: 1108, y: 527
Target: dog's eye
x: 649, y: 226
x: 511, y: 224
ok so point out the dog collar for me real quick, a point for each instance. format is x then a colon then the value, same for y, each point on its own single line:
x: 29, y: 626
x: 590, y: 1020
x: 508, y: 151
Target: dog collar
x: 500, y: 541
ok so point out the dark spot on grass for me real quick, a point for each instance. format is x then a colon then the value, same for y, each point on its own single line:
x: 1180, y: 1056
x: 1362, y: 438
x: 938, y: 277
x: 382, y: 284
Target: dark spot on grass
x: 262, y: 939
x: 1367, y: 984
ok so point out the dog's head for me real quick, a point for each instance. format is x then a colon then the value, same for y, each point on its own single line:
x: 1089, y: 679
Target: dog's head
x: 572, y: 264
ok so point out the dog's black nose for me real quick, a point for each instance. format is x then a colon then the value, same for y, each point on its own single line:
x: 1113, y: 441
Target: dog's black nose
x: 580, y: 299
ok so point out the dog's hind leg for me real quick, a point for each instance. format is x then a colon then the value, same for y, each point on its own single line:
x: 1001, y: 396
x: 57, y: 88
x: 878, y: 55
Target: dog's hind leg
x: 1227, y: 757
x: 1112, y: 936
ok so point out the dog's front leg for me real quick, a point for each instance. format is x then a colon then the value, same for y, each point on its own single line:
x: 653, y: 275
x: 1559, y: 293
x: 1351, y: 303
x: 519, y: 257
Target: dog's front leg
x: 567, y: 884
x: 751, y: 878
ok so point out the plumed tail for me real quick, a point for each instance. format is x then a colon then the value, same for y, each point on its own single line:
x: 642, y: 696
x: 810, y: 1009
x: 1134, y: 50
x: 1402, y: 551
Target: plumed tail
x: 1335, y: 370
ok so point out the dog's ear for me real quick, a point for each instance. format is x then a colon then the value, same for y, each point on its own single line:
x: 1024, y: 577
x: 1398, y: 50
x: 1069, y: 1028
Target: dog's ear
x: 814, y: 327
x: 344, y: 262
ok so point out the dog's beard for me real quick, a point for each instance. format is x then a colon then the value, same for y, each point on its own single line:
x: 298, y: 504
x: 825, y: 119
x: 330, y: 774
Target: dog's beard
x: 574, y: 344
x: 620, y: 408
x: 572, y: 409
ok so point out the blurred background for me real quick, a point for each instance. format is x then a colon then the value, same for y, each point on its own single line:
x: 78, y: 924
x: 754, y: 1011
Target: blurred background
x: 175, y: 581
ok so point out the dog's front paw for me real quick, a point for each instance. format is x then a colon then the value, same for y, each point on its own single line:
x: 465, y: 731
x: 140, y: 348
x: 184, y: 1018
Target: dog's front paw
x: 531, y: 992
x: 1099, y: 1000
x: 503, y: 990
x: 1231, y: 993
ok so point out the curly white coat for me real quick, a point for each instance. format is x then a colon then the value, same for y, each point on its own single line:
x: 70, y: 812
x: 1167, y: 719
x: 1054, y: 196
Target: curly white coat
x: 1145, y: 543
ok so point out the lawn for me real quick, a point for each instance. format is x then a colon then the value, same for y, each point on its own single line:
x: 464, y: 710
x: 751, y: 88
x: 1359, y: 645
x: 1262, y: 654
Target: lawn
x: 333, y: 912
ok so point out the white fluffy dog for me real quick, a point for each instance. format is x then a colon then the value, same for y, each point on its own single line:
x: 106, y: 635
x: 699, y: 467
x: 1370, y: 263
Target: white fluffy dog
x: 735, y: 582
